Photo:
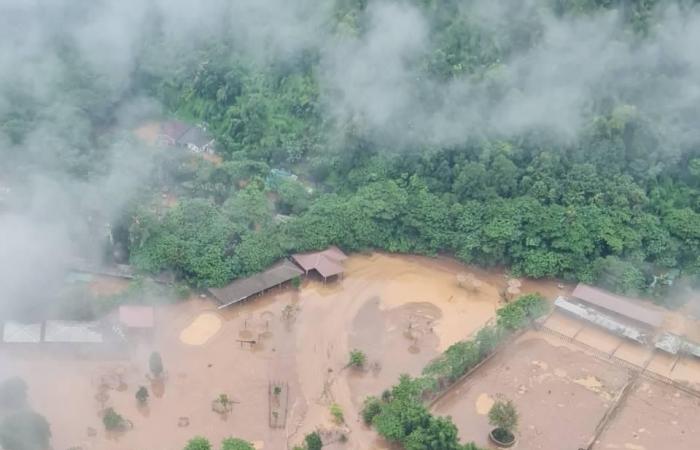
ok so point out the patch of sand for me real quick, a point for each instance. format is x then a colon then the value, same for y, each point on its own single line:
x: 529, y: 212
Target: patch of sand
x: 483, y: 404
x: 203, y: 328
x: 590, y: 382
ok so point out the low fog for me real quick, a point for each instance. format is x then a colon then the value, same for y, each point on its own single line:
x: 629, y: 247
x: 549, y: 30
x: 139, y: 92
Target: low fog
x: 54, y: 202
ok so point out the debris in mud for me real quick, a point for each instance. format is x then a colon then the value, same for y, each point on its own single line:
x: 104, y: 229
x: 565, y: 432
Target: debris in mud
x: 183, y: 422
x: 222, y: 405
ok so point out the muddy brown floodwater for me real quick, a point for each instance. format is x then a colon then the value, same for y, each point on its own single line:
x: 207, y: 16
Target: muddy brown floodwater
x: 400, y: 310
x: 560, y: 393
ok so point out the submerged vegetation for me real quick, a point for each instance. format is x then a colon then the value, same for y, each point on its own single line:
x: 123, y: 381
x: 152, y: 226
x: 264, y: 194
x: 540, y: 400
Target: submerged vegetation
x: 401, y: 415
x: 556, y: 138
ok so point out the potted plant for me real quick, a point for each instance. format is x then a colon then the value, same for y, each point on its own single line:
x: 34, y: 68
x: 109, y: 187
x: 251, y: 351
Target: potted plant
x: 504, y: 417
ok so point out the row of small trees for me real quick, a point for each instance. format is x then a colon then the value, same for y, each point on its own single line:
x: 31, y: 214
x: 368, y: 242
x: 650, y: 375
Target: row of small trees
x: 400, y: 415
x: 462, y: 356
x: 202, y: 443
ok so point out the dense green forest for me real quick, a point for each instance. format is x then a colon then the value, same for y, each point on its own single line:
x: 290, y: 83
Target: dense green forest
x: 611, y: 195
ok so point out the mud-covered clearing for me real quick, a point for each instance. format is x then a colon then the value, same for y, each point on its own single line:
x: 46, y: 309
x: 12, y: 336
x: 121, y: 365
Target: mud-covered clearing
x: 400, y: 310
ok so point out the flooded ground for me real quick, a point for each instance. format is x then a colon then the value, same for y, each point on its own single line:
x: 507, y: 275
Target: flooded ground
x: 681, y: 369
x: 560, y: 393
x: 655, y: 416
x: 400, y: 310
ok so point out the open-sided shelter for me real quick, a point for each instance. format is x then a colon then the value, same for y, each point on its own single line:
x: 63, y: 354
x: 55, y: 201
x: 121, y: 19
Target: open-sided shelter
x: 244, y: 288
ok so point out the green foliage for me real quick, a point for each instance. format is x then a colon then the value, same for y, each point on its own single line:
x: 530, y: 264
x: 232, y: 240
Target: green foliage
x: 370, y: 409
x: 619, y: 276
x: 236, y: 444
x: 503, y: 415
x: 293, y: 197
x: 337, y: 413
x: 142, y: 395
x: 462, y: 356
x: 13, y: 393
x: 198, y: 443
x: 25, y: 430
x: 155, y: 363
x: 192, y: 239
x: 517, y: 314
x: 313, y: 441
x: 112, y: 420
x: 455, y: 361
x: 357, y: 358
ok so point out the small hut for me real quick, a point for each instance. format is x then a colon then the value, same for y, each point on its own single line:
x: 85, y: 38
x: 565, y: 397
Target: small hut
x: 327, y: 263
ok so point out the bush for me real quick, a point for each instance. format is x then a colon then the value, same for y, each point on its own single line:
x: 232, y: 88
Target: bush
x: 198, y: 443
x: 487, y: 339
x: 236, y: 444
x: 516, y: 315
x: 371, y: 408
x: 504, y: 417
x: 357, y: 358
x: 337, y: 413
x: 142, y: 395
x: 112, y: 420
x: 313, y: 441
x: 25, y: 430
x: 13, y: 393
x: 155, y: 363
x: 182, y: 291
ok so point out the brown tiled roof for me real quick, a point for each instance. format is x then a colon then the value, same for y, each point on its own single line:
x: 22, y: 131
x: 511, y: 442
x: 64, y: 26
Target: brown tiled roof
x: 245, y: 287
x: 326, y: 262
x: 628, y: 307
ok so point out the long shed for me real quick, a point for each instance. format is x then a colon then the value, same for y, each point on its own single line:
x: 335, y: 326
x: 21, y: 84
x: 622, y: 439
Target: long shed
x: 244, y: 288
x: 627, y: 307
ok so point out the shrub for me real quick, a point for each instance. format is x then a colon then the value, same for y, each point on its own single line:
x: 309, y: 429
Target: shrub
x: 198, y: 443
x: 357, y: 358
x: 142, y: 395
x: 504, y: 417
x: 25, y: 430
x: 112, y: 420
x: 155, y: 363
x: 236, y: 444
x: 13, y: 392
x: 515, y: 315
x: 313, y: 441
x: 182, y: 291
x: 337, y: 413
x: 371, y: 408
x: 487, y: 339
x: 296, y: 282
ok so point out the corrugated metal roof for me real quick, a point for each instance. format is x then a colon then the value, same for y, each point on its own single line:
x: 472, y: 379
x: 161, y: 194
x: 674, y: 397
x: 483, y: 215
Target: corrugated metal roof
x: 624, y: 306
x: 21, y: 333
x: 245, y: 287
x: 673, y: 344
x: 69, y: 331
x: 602, y: 320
